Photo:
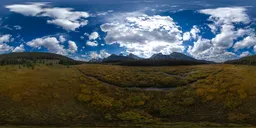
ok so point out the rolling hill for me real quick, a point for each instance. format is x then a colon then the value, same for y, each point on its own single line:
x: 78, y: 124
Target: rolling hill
x: 36, y: 57
x: 248, y: 60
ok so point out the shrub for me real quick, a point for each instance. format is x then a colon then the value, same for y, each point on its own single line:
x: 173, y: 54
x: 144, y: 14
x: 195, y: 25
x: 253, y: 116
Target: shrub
x: 108, y: 116
x: 188, y: 101
x: 101, y: 100
x: 131, y: 116
x: 237, y: 117
x: 84, y: 98
x: 136, y: 100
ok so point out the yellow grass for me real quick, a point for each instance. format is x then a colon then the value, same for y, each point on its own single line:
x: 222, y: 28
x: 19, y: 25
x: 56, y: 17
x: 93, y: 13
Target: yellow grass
x: 100, y: 94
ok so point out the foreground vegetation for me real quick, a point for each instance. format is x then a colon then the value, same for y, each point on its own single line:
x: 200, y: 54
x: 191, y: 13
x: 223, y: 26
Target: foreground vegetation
x: 101, y: 95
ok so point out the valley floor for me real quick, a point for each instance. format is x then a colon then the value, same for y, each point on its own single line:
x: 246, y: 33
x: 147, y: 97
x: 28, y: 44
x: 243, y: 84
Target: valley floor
x: 109, y: 94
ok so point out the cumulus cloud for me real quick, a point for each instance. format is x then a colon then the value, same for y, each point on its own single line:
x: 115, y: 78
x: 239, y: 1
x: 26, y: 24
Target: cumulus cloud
x: 66, y: 18
x: 227, y: 15
x: 92, y: 39
x: 72, y: 47
x: 28, y: 9
x: 200, y: 46
x: 3, y: 40
x: 5, y: 48
x: 186, y: 36
x: 226, y: 37
x: 194, y: 32
x: 247, y: 42
x: 66, y: 24
x: 51, y: 43
x: 244, y: 54
x: 92, y: 43
x: 144, y: 35
x: 224, y: 21
x: 213, y: 28
x: 102, y: 54
x: 19, y: 48
x: 94, y: 36
x: 203, y: 49
x: 62, y: 39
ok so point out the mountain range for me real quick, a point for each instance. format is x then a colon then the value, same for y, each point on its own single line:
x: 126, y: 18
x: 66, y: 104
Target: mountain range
x: 158, y: 56
x: 159, y: 59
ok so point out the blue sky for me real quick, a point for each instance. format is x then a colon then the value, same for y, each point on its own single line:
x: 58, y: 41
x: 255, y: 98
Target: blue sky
x: 214, y: 30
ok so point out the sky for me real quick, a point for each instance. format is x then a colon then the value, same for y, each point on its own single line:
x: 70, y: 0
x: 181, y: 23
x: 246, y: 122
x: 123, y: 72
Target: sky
x: 213, y: 30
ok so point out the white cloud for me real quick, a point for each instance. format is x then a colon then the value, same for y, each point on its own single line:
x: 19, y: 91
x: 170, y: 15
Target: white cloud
x: 66, y: 24
x: 186, y: 36
x: 94, y: 55
x: 227, y: 15
x: 224, y: 21
x: 213, y: 28
x: 5, y: 38
x: 144, y: 35
x: 244, y: 54
x: 200, y: 46
x: 17, y: 27
x: 64, y: 17
x: 27, y: 10
x: 226, y: 37
x: 51, y: 43
x: 247, y: 42
x: 194, y: 32
x: 19, y: 48
x: 92, y: 43
x: 102, y: 54
x: 213, y: 54
x: 5, y: 48
x: 72, y: 46
x: 102, y: 13
x: 62, y: 39
x: 94, y: 36
x: 86, y: 34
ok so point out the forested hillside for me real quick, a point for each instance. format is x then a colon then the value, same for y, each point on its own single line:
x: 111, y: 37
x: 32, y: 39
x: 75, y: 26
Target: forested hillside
x: 35, y: 57
x: 249, y: 60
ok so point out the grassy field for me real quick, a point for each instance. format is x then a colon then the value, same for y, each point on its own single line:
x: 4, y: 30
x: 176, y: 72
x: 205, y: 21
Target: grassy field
x: 96, y: 95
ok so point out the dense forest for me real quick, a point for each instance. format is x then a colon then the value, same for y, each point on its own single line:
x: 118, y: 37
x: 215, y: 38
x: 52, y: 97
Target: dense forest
x: 249, y: 60
x: 30, y: 58
x: 162, y: 62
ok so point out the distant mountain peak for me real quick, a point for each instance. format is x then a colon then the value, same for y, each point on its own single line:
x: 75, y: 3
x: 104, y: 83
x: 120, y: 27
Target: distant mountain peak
x: 133, y: 56
x: 96, y: 60
x: 174, y: 55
